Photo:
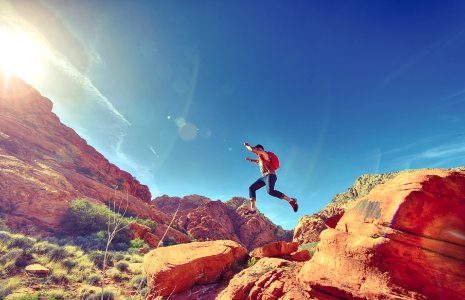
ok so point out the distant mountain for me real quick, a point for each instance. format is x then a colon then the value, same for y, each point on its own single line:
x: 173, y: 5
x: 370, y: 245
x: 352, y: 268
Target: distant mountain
x: 204, y: 219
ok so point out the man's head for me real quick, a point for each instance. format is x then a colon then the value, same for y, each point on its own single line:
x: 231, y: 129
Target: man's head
x: 259, y: 147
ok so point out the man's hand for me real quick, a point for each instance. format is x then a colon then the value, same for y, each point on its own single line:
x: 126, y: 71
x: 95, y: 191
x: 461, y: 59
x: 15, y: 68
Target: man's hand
x: 248, y: 159
x: 248, y: 146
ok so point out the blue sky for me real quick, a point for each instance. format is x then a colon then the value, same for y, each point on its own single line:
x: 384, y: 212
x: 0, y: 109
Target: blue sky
x: 169, y: 90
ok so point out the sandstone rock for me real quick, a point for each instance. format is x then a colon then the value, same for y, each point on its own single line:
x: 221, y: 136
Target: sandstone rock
x: 37, y: 269
x: 309, y: 228
x: 45, y: 164
x: 302, y: 255
x: 404, y: 240
x: 278, y: 249
x: 144, y: 233
x: 269, y: 278
x: 204, y: 220
x: 174, y: 269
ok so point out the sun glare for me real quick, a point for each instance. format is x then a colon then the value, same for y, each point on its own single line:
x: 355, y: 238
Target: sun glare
x: 21, y: 56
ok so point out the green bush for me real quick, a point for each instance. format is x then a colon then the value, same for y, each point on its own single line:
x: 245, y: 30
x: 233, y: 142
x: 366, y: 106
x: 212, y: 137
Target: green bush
x: 9, y: 286
x: 94, y: 279
x: 97, y: 257
x: 57, y: 254
x: 21, y: 241
x: 138, y: 243
x: 310, y: 247
x: 122, y: 266
x: 108, y: 294
x: 85, y: 218
x: 138, y: 282
x: 55, y: 294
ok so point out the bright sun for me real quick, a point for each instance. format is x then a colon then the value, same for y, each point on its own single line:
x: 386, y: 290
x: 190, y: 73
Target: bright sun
x: 21, y: 56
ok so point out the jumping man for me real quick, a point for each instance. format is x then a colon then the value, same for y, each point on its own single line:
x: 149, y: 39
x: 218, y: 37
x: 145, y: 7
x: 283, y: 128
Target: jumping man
x: 268, y: 178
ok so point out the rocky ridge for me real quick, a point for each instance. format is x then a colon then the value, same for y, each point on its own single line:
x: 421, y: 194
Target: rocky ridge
x: 44, y: 165
x: 204, y: 219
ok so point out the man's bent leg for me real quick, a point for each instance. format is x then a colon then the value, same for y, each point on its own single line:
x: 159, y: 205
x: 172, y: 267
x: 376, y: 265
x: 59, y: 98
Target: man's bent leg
x: 270, y: 180
x: 252, y: 192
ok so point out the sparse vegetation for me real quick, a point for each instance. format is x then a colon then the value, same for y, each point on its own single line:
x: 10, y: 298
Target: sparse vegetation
x: 67, y: 264
x: 251, y: 262
x: 310, y: 247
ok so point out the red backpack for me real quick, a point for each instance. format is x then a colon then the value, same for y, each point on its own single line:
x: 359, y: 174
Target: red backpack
x: 274, y: 161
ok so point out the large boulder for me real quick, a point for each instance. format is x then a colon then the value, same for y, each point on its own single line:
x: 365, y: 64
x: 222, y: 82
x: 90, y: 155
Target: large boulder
x: 406, y: 239
x: 277, y: 249
x: 174, y: 269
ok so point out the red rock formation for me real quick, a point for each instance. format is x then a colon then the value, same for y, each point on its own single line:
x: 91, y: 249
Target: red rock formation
x: 269, y: 278
x: 309, y: 228
x: 204, y: 220
x: 405, y: 239
x: 174, y: 269
x: 45, y: 164
x: 278, y: 249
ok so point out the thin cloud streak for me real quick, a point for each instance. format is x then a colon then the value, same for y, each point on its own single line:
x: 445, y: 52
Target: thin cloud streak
x: 16, y: 23
x: 437, y: 151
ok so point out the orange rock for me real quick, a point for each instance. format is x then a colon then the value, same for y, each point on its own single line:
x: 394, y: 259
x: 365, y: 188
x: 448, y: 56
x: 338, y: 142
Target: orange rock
x: 174, y: 269
x: 269, y: 278
x: 302, y: 255
x: 205, y: 220
x: 37, y: 269
x: 405, y: 239
x: 277, y: 249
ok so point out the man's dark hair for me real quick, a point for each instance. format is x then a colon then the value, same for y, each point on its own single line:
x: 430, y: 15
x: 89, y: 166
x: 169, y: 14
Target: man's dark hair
x: 259, y: 146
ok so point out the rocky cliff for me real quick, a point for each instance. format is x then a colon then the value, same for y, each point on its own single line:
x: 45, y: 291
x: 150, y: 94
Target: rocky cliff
x: 204, y: 219
x: 403, y: 240
x: 45, y: 164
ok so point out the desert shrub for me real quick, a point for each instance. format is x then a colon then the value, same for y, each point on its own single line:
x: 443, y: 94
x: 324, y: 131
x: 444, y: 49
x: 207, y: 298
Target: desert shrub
x: 251, y: 262
x: 57, y: 254
x: 43, y: 247
x: 138, y: 243
x: 108, y: 294
x: 8, y: 260
x: 138, y: 282
x: 97, y: 257
x: 55, y: 294
x: 310, y: 247
x: 118, y: 256
x: 69, y: 263
x: 121, y: 246
x: 170, y: 241
x: 122, y: 266
x: 5, y: 236
x: 21, y: 241
x: 58, y: 273
x: 94, y: 279
x: 9, y: 286
x: 3, y: 226
x: 27, y: 297
x: 147, y: 222
x: 117, y: 275
x: 84, y: 217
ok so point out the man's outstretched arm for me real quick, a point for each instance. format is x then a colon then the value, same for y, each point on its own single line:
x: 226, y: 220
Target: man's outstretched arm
x: 254, y: 150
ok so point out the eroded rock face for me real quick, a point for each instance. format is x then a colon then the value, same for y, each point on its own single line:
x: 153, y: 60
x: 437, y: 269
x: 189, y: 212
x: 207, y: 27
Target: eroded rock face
x: 174, y: 269
x: 45, y: 164
x: 404, y: 239
x: 308, y: 228
x: 204, y: 219
x: 269, y: 278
